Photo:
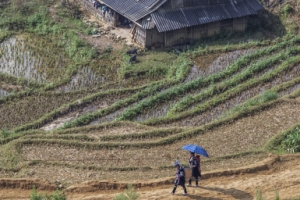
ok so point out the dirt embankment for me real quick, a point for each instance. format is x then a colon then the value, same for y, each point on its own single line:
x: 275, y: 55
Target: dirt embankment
x: 274, y: 174
x: 26, y: 184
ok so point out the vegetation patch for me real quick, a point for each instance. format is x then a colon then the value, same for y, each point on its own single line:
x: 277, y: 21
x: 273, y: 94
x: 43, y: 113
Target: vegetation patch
x: 229, y: 94
x: 22, y: 111
x: 291, y: 143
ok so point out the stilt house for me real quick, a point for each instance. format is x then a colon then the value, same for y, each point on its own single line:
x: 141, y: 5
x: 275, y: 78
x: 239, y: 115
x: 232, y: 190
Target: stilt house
x: 175, y: 22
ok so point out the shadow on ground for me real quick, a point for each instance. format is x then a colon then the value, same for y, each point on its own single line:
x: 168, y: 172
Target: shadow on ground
x: 237, y: 194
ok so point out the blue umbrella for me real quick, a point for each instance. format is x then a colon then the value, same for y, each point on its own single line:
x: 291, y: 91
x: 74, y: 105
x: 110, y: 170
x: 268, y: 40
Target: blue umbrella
x: 195, y: 149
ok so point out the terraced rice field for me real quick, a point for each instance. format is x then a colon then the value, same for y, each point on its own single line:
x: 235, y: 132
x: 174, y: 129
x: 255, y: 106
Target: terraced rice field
x: 84, y: 78
x: 33, y: 63
x: 77, y: 130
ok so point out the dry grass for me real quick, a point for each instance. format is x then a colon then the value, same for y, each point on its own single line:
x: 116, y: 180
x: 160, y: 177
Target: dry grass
x: 101, y: 129
x: 213, y: 62
x: 117, y: 131
x: 27, y: 109
x: 206, y: 60
x: 70, y: 175
x: 100, y: 103
x: 4, y: 173
x: 249, y: 133
x: 122, y: 130
x: 76, y: 155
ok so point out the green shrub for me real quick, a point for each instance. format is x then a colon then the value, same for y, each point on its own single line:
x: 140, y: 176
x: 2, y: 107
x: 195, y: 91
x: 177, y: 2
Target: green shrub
x: 108, y: 49
x: 268, y: 96
x: 259, y: 195
x: 55, y: 196
x: 277, y: 195
x: 129, y: 194
x: 5, y: 133
x: 35, y: 196
x: 89, y: 31
x: 292, y: 141
x: 286, y: 10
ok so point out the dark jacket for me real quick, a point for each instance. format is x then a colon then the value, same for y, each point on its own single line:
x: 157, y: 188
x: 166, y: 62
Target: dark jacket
x: 194, y: 164
x: 180, y: 178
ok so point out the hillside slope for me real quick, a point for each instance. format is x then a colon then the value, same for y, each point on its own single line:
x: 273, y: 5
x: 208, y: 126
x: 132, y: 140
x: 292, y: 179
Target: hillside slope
x: 87, y: 114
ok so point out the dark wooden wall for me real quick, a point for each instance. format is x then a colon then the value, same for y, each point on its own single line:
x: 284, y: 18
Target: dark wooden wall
x: 181, y: 36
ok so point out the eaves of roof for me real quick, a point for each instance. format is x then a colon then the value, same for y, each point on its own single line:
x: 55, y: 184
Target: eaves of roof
x: 134, y: 9
x: 167, y: 20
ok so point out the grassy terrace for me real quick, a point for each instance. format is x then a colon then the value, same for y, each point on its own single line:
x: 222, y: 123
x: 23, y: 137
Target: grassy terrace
x: 91, y: 148
x: 182, y: 89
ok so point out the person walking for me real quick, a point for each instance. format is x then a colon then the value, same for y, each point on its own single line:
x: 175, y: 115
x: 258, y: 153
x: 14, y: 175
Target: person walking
x: 179, y: 179
x: 195, y: 165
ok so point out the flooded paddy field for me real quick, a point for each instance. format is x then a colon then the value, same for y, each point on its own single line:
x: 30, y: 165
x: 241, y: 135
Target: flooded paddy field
x: 108, y: 118
x: 85, y: 78
x: 256, y: 75
x: 100, y: 103
x: 218, y: 110
x: 211, y: 64
x: 289, y: 90
x: 22, y: 59
x: 163, y: 108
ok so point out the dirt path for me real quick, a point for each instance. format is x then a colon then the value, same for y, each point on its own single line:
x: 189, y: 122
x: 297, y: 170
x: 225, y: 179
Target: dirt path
x: 104, y: 40
x: 282, y: 177
x: 279, y: 174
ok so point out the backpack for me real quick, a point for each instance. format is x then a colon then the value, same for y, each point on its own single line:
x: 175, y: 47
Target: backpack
x: 198, y: 160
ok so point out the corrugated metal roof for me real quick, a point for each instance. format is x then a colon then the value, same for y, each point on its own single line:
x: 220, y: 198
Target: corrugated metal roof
x: 134, y: 9
x: 255, y: 5
x: 191, y: 16
x: 147, y: 23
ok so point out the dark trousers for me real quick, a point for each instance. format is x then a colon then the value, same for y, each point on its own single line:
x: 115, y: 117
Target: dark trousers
x: 179, y: 181
x: 196, y: 178
x: 183, y: 186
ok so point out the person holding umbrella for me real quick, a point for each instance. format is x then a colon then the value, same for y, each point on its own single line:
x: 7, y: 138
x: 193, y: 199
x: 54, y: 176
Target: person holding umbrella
x: 194, y: 164
x: 180, y: 178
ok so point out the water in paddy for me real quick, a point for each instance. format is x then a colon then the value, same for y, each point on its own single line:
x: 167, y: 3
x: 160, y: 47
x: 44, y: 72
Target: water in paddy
x: 211, y: 64
x: 217, y: 111
x: 21, y: 59
x: 3, y: 93
x: 85, y: 78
